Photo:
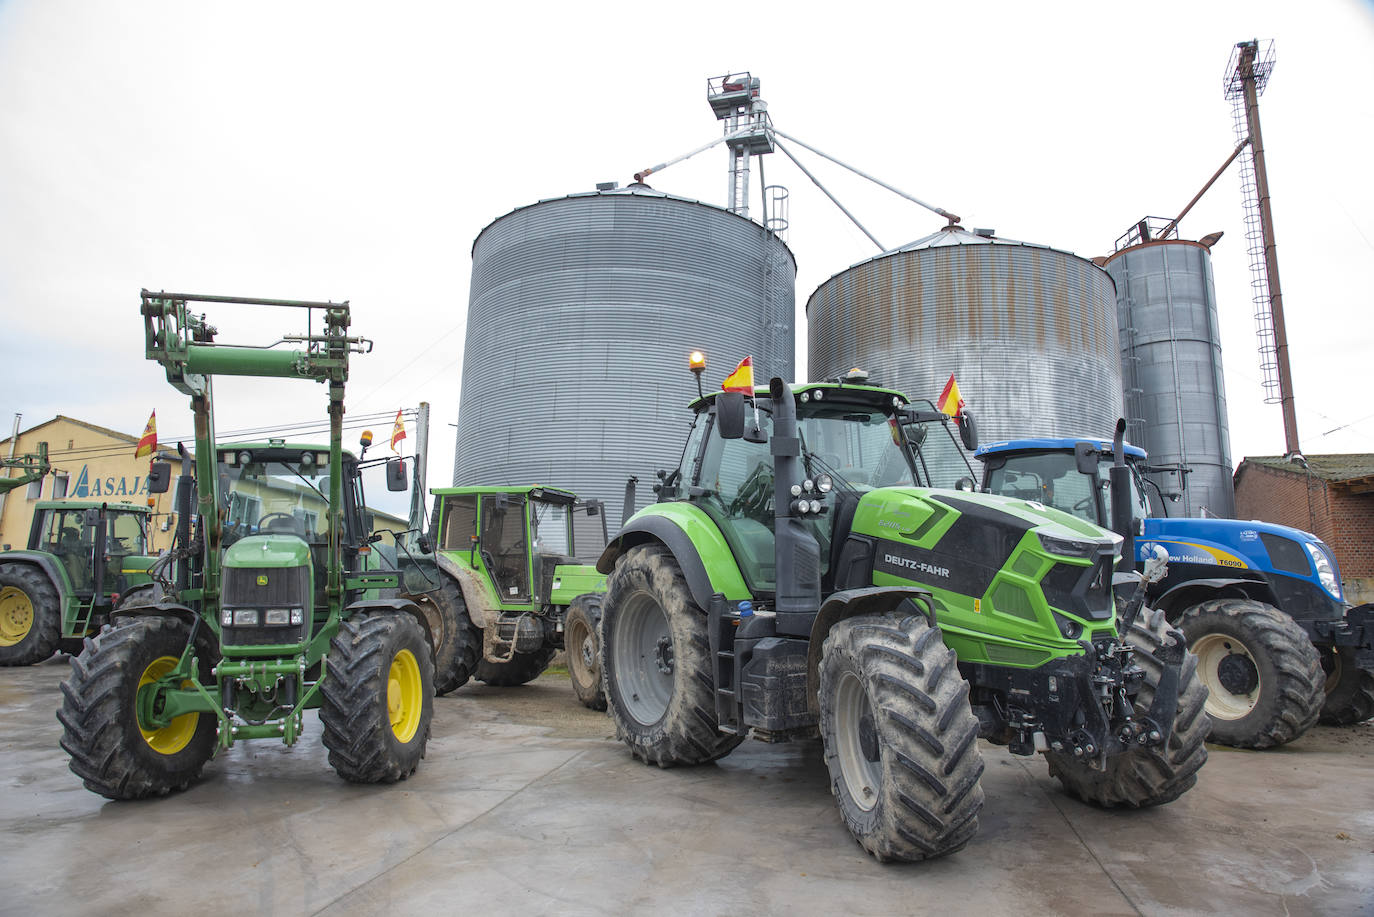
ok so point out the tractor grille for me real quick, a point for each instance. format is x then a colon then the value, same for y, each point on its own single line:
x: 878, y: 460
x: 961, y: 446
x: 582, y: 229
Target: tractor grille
x: 282, y: 588
x: 1081, y: 591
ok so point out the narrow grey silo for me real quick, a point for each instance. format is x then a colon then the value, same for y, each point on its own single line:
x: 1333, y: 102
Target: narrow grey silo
x: 1171, y: 370
x: 1028, y: 331
x: 581, y: 314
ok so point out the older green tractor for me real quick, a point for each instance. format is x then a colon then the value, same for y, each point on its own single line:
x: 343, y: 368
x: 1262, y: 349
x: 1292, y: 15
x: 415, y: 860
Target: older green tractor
x: 275, y: 608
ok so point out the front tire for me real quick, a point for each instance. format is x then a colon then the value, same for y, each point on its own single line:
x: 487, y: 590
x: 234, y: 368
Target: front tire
x: 582, y: 642
x: 1147, y: 776
x: 1349, y: 688
x: 901, y: 741
x: 457, y: 641
x: 656, y: 658
x: 30, y: 615
x: 112, y: 753
x: 1263, y: 675
x: 378, y: 697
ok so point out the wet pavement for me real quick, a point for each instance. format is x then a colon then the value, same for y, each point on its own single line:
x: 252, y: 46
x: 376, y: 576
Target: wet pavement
x: 527, y: 805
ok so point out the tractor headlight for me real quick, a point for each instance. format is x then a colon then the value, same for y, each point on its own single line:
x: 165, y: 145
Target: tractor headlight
x: 824, y: 483
x: 1065, y: 547
x: 226, y: 617
x: 1326, y: 571
x: 278, y: 616
x: 245, y: 617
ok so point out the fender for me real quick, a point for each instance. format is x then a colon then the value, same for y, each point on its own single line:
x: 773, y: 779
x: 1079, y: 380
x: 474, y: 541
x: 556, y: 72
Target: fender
x: 482, y: 608
x: 872, y: 600
x: 162, y: 608
x: 396, y: 606
x: 1175, y: 599
x: 50, y: 566
x: 688, y: 533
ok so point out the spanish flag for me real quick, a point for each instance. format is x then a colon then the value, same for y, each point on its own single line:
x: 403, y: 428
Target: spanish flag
x: 398, y: 431
x: 951, y: 402
x: 742, y: 379
x: 147, y: 443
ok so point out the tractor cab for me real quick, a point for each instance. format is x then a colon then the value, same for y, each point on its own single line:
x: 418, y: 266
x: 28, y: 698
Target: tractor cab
x: 519, y: 536
x: 852, y: 439
x: 1064, y: 473
x: 97, y: 544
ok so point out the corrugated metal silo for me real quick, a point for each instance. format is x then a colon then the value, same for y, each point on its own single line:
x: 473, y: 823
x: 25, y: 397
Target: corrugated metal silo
x: 1028, y: 331
x: 581, y: 314
x: 1171, y: 367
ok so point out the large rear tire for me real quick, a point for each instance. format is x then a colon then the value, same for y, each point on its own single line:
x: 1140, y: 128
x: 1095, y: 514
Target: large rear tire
x: 582, y: 642
x: 112, y: 753
x: 1263, y: 675
x: 1147, y: 776
x: 657, y: 662
x: 457, y: 641
x: 378, y: 697
x: 30, y: 615
x: 1349, y: 688
x: 901, y: 740
x: 519, y: 670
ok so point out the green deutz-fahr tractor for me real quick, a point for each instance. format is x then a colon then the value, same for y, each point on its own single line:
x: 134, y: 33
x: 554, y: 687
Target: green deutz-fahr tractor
x: 517, y: 566
x: 273, y: 610
x: 800, y: 573
x: 81, y: 557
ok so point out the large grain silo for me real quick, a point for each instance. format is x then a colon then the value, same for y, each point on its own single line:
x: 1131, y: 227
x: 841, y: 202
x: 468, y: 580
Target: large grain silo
x: 581, y: 315
x: 1029, y: 332
x: 1171, y: 369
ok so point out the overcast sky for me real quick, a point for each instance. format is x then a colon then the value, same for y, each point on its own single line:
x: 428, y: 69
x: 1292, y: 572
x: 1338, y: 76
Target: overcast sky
x: 355, y: 150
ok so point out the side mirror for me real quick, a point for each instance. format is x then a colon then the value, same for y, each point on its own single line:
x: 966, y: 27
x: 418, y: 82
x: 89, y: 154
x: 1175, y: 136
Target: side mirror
x: 369, y: 523
x: 396, y: 475
x: 159, y: 477
x: 424, y: 543
x: 1085, y: 456
x: 968, y: 431
x: 730, y: 415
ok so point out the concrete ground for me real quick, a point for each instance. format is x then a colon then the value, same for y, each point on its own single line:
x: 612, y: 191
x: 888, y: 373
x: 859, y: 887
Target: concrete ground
x: 527, y: 805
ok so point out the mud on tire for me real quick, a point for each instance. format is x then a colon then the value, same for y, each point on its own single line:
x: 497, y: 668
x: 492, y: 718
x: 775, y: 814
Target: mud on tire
x: 521, y: 669
x: 109, y: 750
x: 378, y: 697
x: 1263, y: 675
x: 656, y: 662
x: 900, y: 738
x: 30, y: 615
x: 457, y: 641
x: 1349, y: 688
x: 1147, y: 776
x: 582, y: 642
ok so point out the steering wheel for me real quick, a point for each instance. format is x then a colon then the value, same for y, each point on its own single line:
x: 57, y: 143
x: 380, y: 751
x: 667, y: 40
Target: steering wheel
x: 1083, y: 504
x: 293, y: 525
x: 754, y: 494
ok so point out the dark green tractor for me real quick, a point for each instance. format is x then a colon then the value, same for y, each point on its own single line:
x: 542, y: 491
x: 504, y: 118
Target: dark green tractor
x: 272, y: 605
x: 802, y: 573
x: 518, y: 565
x: 81, y: 558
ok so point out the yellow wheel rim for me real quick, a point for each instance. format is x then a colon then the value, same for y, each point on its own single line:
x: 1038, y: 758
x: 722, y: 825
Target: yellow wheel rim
x: 404, y: 696
x: 16, y: 615
x: 177, y: 734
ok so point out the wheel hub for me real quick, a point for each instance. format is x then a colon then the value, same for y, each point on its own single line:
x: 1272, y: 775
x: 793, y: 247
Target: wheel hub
x: 1237, y: 674
x: 663, y: 655
x: 868, y: 737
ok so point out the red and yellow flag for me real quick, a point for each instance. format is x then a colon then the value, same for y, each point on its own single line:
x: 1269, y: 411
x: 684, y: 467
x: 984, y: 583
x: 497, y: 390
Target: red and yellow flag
x: 951, y: 402
x: 147, y: 443
x: 398, y: 431
x: 742, y: 379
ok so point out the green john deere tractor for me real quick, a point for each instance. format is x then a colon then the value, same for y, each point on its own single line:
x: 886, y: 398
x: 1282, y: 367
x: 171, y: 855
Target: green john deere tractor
x: 800, y: 573
x: 517, y: 566
x: 81, y: 557
x: 275, y: 607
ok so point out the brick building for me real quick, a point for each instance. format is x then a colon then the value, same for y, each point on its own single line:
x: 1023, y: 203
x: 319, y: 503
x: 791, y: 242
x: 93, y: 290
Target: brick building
x: 1331, y: 496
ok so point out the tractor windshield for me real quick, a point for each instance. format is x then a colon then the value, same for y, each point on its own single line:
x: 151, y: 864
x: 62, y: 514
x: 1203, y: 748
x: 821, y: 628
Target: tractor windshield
x: 283, y: 498
x: 1053, y: 479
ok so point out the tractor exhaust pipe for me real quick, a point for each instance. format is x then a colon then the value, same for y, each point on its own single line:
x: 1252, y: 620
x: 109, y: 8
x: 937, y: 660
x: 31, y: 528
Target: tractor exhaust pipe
x: 1123, y: 520
x: 797, y: 554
